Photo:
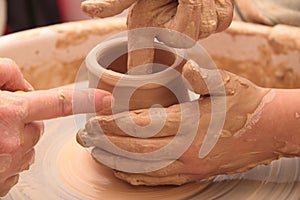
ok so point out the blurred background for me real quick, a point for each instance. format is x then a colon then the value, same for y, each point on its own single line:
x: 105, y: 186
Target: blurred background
x: 18, y: 15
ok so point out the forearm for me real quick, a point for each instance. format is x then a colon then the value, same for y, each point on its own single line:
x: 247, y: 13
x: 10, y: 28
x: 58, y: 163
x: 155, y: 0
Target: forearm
x: 280, y: 119
x: 273, y: 131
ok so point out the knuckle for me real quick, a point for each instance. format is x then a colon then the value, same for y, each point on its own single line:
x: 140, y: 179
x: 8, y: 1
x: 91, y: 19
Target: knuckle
x: 225, y: 14
x: 13, y: 107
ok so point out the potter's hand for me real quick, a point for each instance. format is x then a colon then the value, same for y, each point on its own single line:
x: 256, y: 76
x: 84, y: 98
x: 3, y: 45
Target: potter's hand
x: 269, y: 12
x: 20, y: 112
x: 238, y: 148
x: 197, y: 19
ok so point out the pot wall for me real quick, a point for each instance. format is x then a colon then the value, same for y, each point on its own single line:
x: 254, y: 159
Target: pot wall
x: 107, y: 67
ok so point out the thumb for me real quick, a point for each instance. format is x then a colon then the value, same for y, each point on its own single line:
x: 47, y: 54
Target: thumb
x: 61, y: 102
x: 212, y: 81
x: 11, y: 76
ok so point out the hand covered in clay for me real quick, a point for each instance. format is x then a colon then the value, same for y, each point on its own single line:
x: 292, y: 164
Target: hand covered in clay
x: 269, y: 12
x: 192, y: 19
x: 197, y: 19
x: 21, y: 110
x: 242, y: 144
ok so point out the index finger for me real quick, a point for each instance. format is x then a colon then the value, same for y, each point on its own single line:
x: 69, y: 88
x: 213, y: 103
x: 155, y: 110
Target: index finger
x: 47, y: 104
x: 187, y: 17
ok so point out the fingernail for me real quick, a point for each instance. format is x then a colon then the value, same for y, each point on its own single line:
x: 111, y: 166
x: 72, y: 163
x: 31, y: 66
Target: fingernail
x: 28, y: 85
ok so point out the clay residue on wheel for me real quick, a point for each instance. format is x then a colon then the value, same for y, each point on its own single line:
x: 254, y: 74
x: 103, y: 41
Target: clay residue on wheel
x: 79, y: 33
x: 270, y: 76
x: 62, y: 73
x: 94, y: 181
x: 284, y: 39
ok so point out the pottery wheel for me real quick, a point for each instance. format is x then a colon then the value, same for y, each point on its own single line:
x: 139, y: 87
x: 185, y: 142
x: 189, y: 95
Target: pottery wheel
x: 65, y: 170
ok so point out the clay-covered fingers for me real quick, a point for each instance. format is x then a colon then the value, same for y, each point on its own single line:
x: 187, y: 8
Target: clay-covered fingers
x: 11, y: 77
x: 224, y: 9
x: 140, y: 163
x: 128, y: 162
x: 144, y: 123
x: 105, y: 8
x: 212, y: 81
x: 60, y: 102
x: 200, y: 18
x: 140, y: 52
x: 196, y: 19
x: 145, y: 13
x: 130, y: 144
x: 154, y: 122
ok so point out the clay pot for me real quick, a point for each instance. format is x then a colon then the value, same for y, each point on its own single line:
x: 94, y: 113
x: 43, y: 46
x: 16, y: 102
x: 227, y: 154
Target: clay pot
x: 107, y: 67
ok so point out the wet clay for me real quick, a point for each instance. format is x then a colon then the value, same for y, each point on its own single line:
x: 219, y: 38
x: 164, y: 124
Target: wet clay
x: 94, y: 181
x: 136, y: 91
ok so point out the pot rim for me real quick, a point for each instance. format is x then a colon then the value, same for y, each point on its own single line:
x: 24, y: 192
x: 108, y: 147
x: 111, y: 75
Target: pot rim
x: 130, y: 80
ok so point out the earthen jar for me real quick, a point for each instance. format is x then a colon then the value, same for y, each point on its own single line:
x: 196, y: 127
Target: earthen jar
x: 107, y: 68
